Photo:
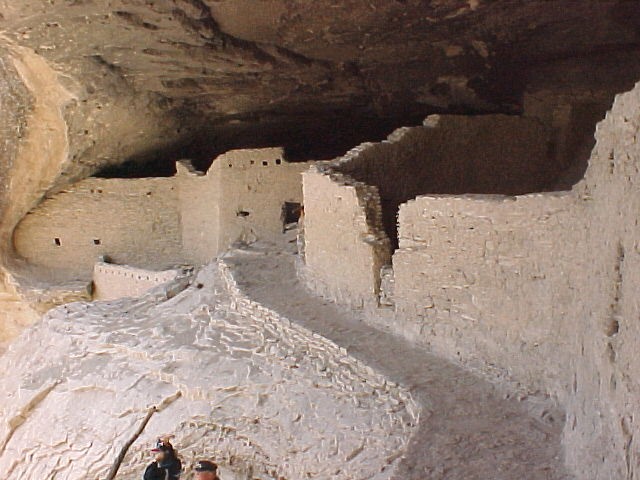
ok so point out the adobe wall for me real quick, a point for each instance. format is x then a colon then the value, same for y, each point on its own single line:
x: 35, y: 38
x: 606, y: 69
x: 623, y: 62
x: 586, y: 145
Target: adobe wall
x: 345, y: 245
x: 542, y: 290
x: 132, y: 221
x: 111, y: 282
x: 158, y: 223
x: 483, y: 280
x: 199, y: 207
x: 455, y: 154
x: 254, y: 184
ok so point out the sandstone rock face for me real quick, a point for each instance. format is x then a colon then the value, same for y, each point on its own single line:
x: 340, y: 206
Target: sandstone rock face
x: 203, y: 76
x: 230, y: 379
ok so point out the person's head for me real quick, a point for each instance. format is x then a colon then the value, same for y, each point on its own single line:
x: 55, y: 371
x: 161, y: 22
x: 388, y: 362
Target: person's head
x: 206, y: 470
x: 162, y: 449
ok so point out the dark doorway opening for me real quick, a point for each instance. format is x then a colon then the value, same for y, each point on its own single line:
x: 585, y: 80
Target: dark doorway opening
x: 291, y: 212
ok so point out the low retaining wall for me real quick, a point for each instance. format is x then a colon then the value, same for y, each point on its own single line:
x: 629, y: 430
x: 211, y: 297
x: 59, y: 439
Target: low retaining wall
x: 318, y: 346
x: 381, y: 399
x: 111, y: 282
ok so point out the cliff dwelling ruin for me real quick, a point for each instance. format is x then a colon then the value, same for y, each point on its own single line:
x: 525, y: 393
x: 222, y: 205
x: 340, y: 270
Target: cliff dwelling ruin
x: 375, y: 239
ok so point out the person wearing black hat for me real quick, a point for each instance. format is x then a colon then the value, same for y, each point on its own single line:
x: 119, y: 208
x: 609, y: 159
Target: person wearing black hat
x: 166, y: 466
x: 206, y: 470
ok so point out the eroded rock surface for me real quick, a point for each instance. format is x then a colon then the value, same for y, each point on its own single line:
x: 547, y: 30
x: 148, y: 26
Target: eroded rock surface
x: 237, y: 374
x: 231, y: 380
x: 468, y: 428
x: 202, y: 76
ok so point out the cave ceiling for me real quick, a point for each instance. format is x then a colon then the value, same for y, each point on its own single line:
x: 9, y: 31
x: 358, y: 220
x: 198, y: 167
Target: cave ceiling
x: 216, y: 74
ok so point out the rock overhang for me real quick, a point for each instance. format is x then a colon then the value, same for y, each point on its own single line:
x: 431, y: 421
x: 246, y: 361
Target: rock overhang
x: 206, y: 76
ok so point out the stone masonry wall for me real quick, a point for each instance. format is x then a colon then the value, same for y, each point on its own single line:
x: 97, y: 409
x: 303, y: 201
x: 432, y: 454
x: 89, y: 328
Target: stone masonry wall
x: 132, y: 221
x: 542, y: 290
x: 157, y: 223
x: 111, y: 282
x: 344, y: 250
x: 490, y: 265
x: 254, y: 184
x: 454, y: 154
x: 359, y: 199
x: 199, y: 204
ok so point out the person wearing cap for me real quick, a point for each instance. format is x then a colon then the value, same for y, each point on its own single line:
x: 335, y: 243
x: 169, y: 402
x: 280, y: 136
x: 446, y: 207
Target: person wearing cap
x: 166, y: 465
x: 206, y: 470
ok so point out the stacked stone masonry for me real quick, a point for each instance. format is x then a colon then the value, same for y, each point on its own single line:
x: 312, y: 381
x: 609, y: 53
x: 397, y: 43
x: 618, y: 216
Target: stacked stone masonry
x: 158, y: 223
x: 359, y: 194
x: 455, y: 154
x: 317, y: 346
x: 130, y: 221
x: 486, y: 264
x: 345, y: 264
x: 118, y: 281
x: 539, y: 289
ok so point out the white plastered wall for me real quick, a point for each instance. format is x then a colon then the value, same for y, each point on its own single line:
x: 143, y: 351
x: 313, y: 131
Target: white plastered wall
x: 157, y: 223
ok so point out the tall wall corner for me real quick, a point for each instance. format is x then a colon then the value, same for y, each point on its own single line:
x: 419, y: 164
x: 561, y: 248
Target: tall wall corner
x: 344, y: 265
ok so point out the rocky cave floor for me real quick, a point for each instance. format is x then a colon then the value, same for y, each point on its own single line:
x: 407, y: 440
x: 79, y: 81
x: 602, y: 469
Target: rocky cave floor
x: 468, y: 427
x: 248, y: 367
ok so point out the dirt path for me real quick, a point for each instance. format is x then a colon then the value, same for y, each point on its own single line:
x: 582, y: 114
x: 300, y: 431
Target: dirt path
x: 466, y: 431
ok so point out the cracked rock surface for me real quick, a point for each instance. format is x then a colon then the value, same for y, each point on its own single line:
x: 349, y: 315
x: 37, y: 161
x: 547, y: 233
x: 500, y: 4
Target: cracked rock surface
x: 468, y: 428
x: 272, y: 386
x: 230, y: 380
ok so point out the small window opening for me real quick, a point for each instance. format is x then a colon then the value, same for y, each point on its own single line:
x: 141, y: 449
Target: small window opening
x: 57, y: 242
x: 278, y: 161
x: 96, y: 241
x: 265, y: 163
x: 242, y: 213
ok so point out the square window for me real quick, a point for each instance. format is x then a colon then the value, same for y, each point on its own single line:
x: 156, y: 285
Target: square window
x: 96, y: 241
x: 57, y: 242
